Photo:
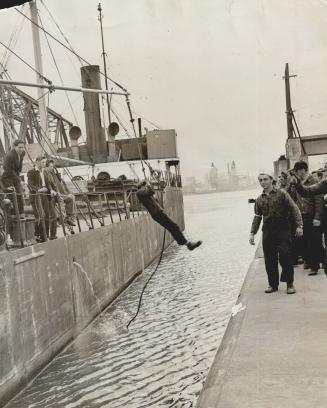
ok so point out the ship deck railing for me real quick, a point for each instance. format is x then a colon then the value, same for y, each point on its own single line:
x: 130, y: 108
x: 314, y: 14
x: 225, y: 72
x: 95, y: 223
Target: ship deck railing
x: 93, y: 209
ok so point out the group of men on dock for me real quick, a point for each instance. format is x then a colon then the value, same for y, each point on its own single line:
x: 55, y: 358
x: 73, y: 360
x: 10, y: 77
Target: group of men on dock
x: 46, y: 190
x: 294, y: 220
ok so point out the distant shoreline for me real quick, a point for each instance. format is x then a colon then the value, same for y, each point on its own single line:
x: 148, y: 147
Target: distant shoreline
x: 218, y: 191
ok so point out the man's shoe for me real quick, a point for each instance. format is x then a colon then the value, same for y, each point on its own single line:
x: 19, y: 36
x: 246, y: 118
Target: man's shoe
x: 70, y: 222
x: 270, y: 289
x: 313, y: 273
x: 290, y: 290
x: 53, y: 237
x: 193, y: 245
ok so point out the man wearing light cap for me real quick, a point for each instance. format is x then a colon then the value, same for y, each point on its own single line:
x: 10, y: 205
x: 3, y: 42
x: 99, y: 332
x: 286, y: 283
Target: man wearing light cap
x: 276, y: 207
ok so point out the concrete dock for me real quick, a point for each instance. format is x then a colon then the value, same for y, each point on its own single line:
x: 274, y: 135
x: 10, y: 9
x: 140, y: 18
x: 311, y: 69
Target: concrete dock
x: 274, y: 351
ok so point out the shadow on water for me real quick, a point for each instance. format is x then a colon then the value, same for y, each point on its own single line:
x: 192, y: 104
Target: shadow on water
x: 164, y: 357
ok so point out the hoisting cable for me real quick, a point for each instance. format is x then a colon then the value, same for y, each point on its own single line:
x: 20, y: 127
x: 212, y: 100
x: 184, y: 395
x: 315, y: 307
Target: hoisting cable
x: 298, y: 132
x: 147, y: 282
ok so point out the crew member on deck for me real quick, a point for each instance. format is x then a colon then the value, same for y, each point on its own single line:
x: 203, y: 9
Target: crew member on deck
x: 12, y: 166
x: 43, y: 206
x: 145, y: 194
x: 61, y: 191
x: 275, y: 207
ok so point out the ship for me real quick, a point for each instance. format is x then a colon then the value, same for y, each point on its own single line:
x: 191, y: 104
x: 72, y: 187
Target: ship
x: 50, y: 291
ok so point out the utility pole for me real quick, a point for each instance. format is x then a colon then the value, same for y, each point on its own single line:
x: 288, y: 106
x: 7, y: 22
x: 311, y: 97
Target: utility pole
x: 104, y: 60
x: 39, y: 67
x: 289, y: 111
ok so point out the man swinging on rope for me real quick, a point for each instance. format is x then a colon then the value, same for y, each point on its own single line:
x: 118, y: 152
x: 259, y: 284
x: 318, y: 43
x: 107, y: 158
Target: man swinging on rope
x: 145, y: 194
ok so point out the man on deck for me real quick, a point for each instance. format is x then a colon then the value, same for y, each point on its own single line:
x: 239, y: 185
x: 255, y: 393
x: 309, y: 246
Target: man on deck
x: 12, y: 166
x: 61, y: 191
x: 145, y: 194
x: 275, y: 207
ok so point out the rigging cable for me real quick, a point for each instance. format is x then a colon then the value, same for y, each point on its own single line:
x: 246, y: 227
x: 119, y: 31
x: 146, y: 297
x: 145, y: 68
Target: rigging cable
x: 146, y: 284
x: 71, y: 50
x: 29, y: 65
x: 59, y: 73
x: 11, y: 41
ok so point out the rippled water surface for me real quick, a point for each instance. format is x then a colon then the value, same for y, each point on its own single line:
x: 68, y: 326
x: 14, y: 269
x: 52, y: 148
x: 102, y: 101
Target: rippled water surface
x: 164, y: 357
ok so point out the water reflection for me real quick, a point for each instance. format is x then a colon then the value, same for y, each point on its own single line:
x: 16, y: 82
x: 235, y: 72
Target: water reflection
x: 162, y: 360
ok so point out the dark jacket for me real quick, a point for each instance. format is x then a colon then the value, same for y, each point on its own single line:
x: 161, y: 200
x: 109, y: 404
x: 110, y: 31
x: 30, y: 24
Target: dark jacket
x: 57, y: 184
x: 146, y: 196
x: 12, y: 166
x: 311, y: 206
x: 277, y: 205
x: 34, y: 180
x: 312, y: 190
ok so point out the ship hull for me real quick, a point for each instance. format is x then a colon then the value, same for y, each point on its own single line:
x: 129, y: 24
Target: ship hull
x: 51, y: 291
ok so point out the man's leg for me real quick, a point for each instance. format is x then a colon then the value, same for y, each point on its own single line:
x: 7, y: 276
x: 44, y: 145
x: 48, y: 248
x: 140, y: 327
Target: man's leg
x: 315, y: 248
x: 52, y: 217
x: 306, y: 227
x: 20, y: 198
x: 163, y: 219
x: 271, y: 259
x: 285, y: 258
x: 69, y: 205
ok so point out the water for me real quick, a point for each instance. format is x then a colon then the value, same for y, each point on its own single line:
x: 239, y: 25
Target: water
x: 164, y: 357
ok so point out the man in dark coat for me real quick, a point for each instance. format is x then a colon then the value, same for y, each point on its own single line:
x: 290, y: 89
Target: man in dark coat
x: 276, y: 208
x: 146, y: 196
x: 311, y: 210
x: 42, y: 190
x: 12, y: 166
x: 62, y: 191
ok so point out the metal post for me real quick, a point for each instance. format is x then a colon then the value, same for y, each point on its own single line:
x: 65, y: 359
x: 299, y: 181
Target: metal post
x: 21, y: 238
x: 139, y: 122
x: 117, y: 206
x: 60, y: 215
x: 101, y: 207
x: 40, y: 206
x: 289, y: 110
x: 125, y: 204
x: 133, y: 203
x: 39, y: 68
x: 78, y: 222
x: 104, y: 61
x: 108, y: 203
x: 89, y: 211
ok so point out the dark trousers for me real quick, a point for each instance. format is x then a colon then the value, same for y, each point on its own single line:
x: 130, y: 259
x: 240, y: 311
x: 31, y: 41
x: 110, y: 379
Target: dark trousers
x: 19, y: 195
x: 276, y: 243
x: 163, y: 219
x: 44, y: 211
x: 312, y: 243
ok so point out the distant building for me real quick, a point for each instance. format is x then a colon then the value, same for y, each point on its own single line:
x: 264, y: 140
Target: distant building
x: 213, y: 177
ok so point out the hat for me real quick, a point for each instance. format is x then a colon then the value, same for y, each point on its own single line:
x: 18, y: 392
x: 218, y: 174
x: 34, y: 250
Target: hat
x: 266, y: 173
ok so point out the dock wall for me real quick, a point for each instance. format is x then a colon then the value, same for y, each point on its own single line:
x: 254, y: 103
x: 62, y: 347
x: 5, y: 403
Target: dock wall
x: 49, y: 292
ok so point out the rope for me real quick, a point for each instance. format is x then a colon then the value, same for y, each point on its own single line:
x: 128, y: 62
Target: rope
x: 147, y: 282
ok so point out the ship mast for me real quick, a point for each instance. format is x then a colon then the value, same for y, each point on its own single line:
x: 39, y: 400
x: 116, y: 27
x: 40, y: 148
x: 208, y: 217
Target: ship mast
x: 104, y: 60
x: 39, y: 78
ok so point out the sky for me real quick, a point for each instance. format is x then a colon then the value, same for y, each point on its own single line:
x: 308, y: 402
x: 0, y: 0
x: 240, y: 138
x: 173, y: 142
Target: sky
x: 211, y: 69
